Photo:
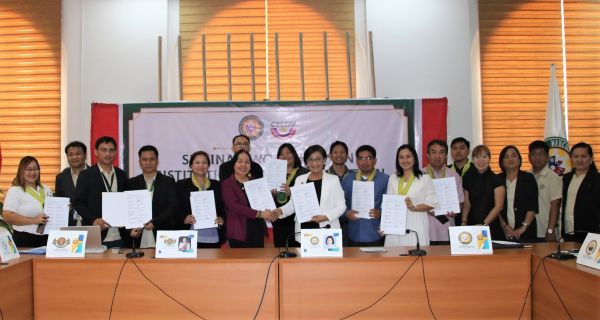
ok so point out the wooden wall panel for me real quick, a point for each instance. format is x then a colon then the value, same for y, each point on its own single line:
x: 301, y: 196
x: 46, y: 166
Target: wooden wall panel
x: 519, y: 41
x: 30, y: 34
x: 582, y: 29
x: 287, y: 18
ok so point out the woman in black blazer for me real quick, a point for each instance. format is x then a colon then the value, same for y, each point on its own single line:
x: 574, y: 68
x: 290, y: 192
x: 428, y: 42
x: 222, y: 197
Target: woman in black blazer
x: 581, y: 195
x: 199, y: 181
x: 283, y: 228
x: 517, y: 218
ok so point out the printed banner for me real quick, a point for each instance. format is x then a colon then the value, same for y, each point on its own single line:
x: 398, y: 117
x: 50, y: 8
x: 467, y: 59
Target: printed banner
x: 178, y: 132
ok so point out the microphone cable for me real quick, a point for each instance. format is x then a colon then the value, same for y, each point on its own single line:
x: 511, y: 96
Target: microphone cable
x: 177, y: 301
x: 426, y: 290
x: 155, y: 285
x: 531, y: 285
x: 265, y: 287
x: 385, y: 294
x: 116, y: 286
x: 555, y: 291
x: 165, y: 293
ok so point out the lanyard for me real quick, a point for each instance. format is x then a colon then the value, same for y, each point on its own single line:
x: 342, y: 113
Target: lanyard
x: 359, y: 176
x: 464, y: 169
x: 291, y: 176
x: 106, y: 184
x: 281, y: 196
x: 151, y: 189
x: 197, y: 183
x: 403, y: 190
x: 430, y: 172
x: 40, y: 196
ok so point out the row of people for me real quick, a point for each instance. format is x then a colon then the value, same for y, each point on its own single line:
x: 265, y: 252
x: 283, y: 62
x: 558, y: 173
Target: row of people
x: 508, y: 202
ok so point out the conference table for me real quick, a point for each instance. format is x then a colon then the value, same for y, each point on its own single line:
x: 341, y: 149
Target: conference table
x: 253, y: 284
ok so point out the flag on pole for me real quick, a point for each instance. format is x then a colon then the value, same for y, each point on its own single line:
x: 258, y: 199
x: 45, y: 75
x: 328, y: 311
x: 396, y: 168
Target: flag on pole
x: 555, y: 134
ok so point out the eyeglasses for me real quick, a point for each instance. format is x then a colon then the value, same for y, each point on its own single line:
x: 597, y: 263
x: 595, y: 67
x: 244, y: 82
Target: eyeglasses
x: 242, y: 144
x: 32, y: 169
x: 368, y: 158
x: 313, y: 160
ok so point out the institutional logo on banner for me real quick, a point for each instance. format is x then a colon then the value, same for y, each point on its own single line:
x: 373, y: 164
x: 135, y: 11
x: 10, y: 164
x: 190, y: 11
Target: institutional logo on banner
x: 283, y: 129
x: 554, y: 133
x: 251, y: 126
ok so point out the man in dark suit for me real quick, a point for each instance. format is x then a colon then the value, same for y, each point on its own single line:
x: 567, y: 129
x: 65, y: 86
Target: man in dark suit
x: 164, y: 197
x: 240, y: 142
x: 92, y: 182
x: 66, y: 181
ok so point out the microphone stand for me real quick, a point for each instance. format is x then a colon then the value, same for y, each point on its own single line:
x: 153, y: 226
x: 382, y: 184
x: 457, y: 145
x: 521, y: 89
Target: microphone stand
x: 133, y: 253
x: 287, y: 253
x: 559, y: 255
x: 418, y: 251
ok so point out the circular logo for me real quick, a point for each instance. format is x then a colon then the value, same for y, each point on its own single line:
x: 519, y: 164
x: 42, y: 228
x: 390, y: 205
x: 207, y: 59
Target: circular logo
x: 465, y: 237
x: 251, y: 126
x: 314, y: 240
x: 283, y: 129
x: 559, y: 160
x: 61, y: 242
x: 591, y: 247
x: 170, y: 242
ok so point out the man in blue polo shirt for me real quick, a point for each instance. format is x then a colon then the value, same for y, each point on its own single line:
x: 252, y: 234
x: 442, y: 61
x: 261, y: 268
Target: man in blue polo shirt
x: 364, y: 232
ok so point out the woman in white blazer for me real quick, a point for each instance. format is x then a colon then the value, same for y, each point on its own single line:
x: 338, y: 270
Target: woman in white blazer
x: 329, y: 192
x: 420, y: 197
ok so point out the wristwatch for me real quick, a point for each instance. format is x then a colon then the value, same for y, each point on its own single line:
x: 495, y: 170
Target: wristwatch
x: 550, y: 231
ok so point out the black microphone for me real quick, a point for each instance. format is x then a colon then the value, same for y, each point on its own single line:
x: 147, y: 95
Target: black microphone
x: 418, y: 251
x: 559, y: 255
x: 133, y: 253
x: 287, y: 253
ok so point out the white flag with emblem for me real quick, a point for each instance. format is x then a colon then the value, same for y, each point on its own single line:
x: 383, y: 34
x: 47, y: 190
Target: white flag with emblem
x: 555, y: 134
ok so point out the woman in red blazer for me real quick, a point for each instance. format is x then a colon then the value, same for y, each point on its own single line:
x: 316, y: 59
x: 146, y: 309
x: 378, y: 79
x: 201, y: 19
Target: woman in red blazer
x: 245, y: 227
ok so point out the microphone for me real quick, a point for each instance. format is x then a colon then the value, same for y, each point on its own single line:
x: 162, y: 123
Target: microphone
x: 133, y: 253
x: 558, y: 254
x: 287, y: 253
x: 418, y: 251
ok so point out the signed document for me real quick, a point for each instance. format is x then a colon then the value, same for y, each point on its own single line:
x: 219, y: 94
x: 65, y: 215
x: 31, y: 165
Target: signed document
x: 204, y: 209
x: 306, y: 204
x: 393, y: 214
